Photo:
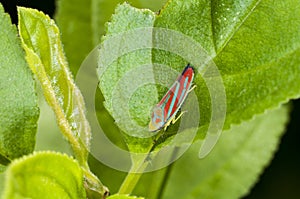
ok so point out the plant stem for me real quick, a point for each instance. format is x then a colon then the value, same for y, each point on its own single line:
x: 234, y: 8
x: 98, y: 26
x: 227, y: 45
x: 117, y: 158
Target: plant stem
x: 78, y: 148
x: 129, y: 183
x: 134, y: 175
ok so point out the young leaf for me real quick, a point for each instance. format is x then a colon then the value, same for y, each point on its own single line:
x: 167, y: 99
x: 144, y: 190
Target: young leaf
x: 44, y: 53
x: 44, y: 175
x: 18, y: 102
x: 235, y: 163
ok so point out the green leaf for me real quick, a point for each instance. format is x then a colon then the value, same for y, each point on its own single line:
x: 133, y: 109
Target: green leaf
x: 44, y: 53
x: 117, y: 196
x: 259, y: 60
x: 110, y: 79
x: 256, y: 54
x: 83, y: 22
x: 44, y: 175
x: 18, y: 102
x: 154, y: 5
x: 235, y: 163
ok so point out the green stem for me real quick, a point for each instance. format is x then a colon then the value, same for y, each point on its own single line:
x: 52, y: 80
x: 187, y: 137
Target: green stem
x: 80, y: 151
x: 78, y: 147
x: 134, y: 175
x: 136, y: 171
x: 129, y: 183
x: 139, y: 164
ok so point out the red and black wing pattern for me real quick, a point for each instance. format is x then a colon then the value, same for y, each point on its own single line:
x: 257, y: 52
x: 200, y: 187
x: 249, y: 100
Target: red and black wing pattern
x: 176, y: 95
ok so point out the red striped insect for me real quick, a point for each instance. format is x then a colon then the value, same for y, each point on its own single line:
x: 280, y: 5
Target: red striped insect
x: 164, y: 113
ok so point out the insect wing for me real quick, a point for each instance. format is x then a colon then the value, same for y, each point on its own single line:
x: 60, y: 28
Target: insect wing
x: 185, y: 85
x: 176, y: 95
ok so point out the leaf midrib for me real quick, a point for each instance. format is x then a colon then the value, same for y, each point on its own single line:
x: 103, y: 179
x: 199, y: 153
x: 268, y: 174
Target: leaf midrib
x: 263, y: 66
x: 235, y: 29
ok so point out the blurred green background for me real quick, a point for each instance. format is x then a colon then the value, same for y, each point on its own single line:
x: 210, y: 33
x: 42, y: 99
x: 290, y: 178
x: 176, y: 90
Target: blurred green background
x: 281, y: 179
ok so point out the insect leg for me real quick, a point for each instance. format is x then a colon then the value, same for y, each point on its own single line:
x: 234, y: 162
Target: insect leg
x: 173, y: 120
x: 193, y: 87
x: 179, y: 116
x: 167, y: 124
